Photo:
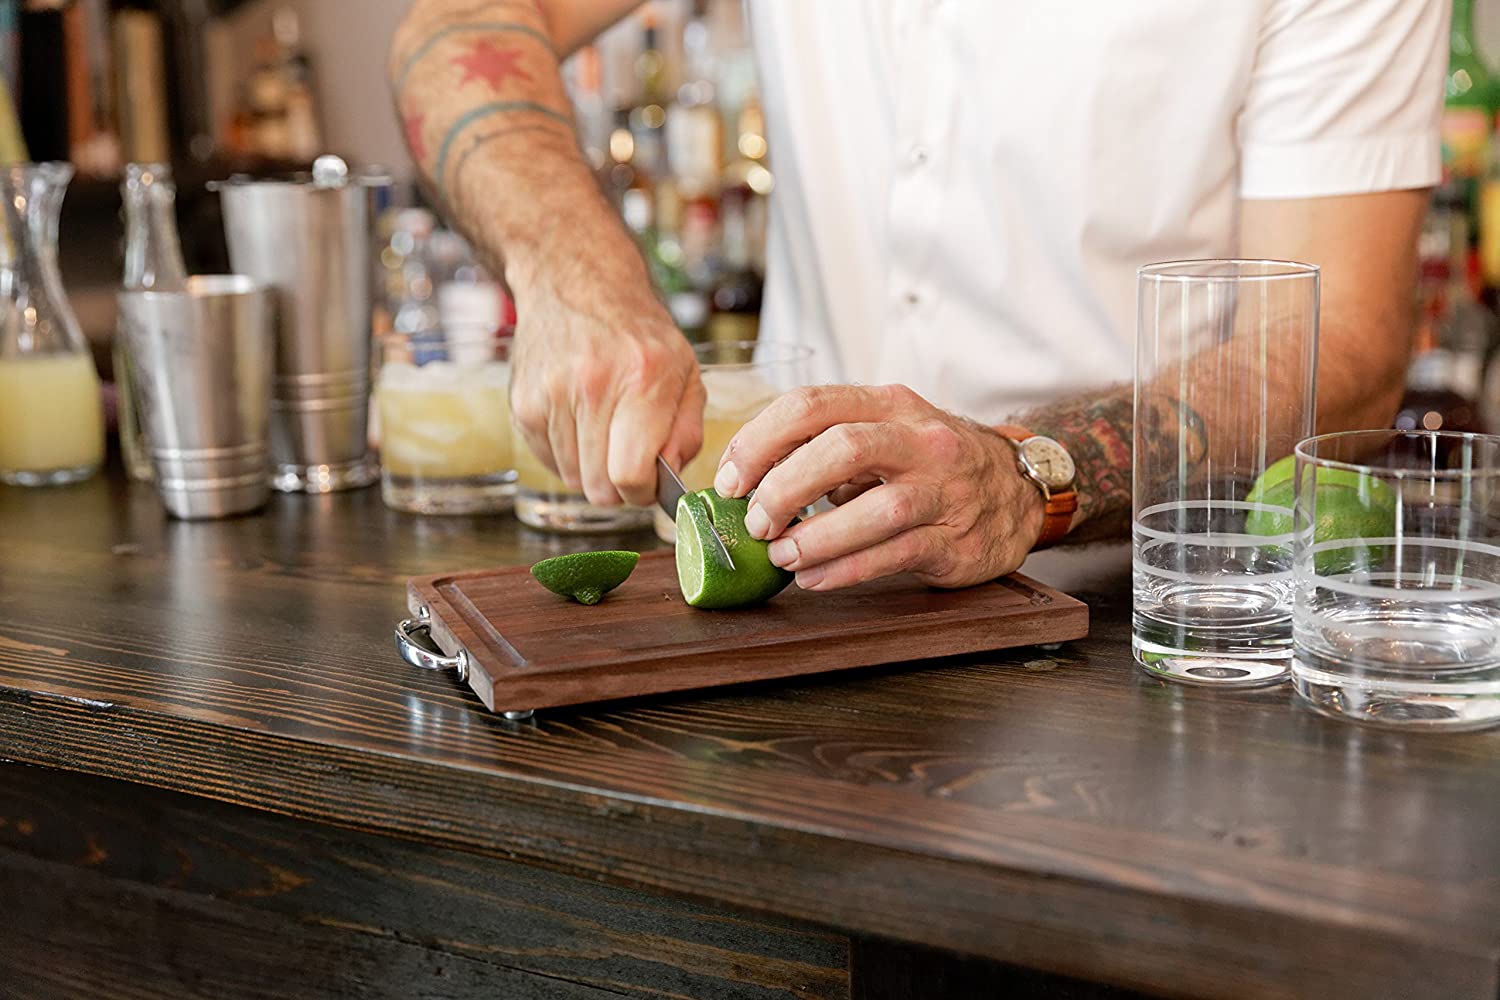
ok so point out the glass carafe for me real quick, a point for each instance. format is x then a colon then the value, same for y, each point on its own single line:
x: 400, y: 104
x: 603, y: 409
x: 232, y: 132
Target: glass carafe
x: 51, y: 420
x: 153, y: 262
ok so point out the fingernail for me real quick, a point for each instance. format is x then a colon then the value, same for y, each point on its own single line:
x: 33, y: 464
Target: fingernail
x: 784, y: 552
x: 810, y: 578
x: 727, y: 482
x: 757, y: 522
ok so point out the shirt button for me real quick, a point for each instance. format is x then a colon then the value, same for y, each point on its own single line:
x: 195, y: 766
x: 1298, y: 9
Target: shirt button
x: 912, y: 297
x: 918, y: 155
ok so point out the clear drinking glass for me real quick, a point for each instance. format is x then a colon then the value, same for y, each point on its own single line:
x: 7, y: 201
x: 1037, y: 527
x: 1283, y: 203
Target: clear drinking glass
x: 444, y: 412
x: 1398, y: 577
x: 741, y: 378
x: 1225, y: 373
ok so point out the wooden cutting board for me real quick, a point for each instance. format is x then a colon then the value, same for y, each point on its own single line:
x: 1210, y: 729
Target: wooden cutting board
x: 526, y: 648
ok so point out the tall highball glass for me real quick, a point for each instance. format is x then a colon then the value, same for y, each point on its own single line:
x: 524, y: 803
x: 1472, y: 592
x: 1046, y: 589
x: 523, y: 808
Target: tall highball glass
x: 1226, y: 358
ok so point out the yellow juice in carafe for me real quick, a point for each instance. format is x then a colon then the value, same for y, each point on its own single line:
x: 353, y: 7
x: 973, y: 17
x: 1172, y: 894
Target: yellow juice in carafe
x: 51, y: 418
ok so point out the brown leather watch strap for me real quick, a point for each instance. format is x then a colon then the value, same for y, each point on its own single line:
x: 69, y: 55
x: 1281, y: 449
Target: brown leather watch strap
x: 1058, y: 507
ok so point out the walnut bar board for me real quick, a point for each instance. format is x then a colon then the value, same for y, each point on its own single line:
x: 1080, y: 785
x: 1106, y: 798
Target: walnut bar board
x: 525, y: 648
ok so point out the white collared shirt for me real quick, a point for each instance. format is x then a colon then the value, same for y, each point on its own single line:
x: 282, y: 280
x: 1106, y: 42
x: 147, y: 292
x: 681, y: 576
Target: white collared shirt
x: 965, y: 188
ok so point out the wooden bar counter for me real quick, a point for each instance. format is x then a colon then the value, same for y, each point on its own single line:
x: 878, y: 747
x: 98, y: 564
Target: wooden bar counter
x: 219, y: 780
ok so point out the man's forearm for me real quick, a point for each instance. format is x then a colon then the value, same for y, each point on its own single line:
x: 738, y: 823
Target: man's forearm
x: 489, y: 125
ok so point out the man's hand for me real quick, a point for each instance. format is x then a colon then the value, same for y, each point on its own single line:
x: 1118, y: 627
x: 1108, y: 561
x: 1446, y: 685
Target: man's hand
x: 600, y: 384
x: 919, y: 490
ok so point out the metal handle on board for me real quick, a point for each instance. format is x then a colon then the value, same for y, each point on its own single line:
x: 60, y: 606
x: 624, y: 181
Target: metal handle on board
x: 408, y: 634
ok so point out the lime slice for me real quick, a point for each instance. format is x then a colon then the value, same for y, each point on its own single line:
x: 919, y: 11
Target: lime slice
x: 705, y: 583
x: 585, y: 576
x: 1347, y: 504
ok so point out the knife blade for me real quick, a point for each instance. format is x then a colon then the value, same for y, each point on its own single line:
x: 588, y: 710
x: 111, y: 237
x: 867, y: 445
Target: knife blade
x: 669, y: 490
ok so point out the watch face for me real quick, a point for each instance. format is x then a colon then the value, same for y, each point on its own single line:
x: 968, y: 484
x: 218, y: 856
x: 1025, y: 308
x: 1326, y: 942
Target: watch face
x: 1048, y: 461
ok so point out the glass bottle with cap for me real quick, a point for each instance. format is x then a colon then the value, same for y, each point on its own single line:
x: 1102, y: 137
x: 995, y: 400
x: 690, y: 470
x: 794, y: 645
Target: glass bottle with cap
x: 153, y: 262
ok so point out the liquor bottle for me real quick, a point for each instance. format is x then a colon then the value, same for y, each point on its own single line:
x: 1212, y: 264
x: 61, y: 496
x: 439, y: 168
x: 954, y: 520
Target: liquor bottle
x: 12, y: 144
x: 586, y: 87
x: 304, y: 136
x: 1468, y: 110
x: 41, y: 90
x: 649, y: 118
x: 269, y: 94
x: 153, y: 262
x: 694, y: 130
x: 737, y: 294
x: 137, y: 55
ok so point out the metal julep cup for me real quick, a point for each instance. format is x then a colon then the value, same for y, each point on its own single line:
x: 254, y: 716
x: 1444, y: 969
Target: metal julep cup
x: 202, y: 375
x: 309, y: 240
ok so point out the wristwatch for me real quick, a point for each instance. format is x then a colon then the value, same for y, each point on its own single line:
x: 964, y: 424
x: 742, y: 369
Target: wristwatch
x: 1047, y: 464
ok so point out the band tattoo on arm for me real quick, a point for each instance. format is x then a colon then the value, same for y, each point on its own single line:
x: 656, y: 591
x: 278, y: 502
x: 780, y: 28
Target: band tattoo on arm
x: 463, y: 67
x: 1099, y: 432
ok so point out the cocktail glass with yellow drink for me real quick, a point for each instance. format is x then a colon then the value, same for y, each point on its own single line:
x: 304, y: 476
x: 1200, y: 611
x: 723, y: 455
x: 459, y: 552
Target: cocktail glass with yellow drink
x: 444, y: 414
x: 544, y: 501
x: 51, y: 420
x: 741, y: 378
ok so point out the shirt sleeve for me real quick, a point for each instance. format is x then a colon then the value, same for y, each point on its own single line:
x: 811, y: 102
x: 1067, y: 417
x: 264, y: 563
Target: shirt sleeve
x: 1345, y: 97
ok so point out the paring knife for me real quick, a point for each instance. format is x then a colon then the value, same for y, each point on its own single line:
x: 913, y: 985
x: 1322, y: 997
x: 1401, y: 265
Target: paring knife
x: 669, y: 490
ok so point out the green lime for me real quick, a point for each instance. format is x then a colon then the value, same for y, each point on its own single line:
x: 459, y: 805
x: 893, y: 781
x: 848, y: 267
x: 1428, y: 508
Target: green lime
x: 585, y: 576
x: 704, y: 582
x: 1374, y: 491
x: 1347, y: 504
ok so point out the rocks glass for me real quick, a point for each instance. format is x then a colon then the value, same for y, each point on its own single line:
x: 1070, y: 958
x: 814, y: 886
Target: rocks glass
x: 1398, y: 578
x: 444, y: 413
x: 1225, y: 370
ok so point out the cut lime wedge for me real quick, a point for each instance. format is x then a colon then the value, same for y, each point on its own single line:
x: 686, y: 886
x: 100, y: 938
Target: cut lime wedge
x: 585, y: 576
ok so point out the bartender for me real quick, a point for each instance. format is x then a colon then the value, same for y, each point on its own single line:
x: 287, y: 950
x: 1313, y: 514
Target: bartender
x: 965, y: 189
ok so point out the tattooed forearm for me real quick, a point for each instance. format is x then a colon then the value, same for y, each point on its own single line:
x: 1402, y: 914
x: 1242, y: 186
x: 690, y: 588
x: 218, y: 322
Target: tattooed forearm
x: 488, y: 121
x: 1099, y: 431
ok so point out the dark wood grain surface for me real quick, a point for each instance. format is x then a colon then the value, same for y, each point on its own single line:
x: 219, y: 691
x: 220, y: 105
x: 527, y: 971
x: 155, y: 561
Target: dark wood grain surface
x: 1056, y: 810
x: 526, y: 648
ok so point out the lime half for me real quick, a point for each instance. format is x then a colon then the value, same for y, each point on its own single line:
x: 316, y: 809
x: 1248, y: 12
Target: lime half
x: 585, y: 576
x: 1347, y: 505
x: 705, y: 583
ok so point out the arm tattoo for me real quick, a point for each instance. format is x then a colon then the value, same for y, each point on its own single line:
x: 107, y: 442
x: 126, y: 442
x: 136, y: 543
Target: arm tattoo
x: 464, y: 67
x: 1099, y: 432
x: 447, y: 31
x: 439, y: 167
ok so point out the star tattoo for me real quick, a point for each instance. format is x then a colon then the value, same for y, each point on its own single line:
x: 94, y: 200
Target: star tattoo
x: 484, y: 61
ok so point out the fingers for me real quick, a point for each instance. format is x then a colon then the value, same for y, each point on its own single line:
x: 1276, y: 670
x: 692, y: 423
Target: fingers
x: 798, y: 417
x: 864, y: 522
x: 562, y: 442
x: 838, y: 455
x: 594, y: 436
x: 645, y: 419
x: 917, y: 548
x: 686, y: 438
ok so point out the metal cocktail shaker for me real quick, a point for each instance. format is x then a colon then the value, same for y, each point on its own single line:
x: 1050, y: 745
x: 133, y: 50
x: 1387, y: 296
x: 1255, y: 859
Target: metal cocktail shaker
x: 201, y: 372
x: 309, y: 239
